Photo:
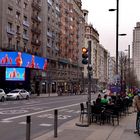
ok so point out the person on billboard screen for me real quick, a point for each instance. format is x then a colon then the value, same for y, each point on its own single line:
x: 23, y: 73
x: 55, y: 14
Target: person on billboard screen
x: 45, y: 65
x: 19, y: 60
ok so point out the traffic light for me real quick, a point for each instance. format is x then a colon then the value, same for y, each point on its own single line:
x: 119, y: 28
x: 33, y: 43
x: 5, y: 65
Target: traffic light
x: 85, y: 56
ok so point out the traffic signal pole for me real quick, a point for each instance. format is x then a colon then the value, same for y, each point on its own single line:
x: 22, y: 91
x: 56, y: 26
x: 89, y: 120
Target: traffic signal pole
x: 89, y: 82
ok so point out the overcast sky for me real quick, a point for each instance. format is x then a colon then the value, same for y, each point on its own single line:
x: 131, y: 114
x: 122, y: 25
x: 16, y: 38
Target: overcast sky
x: 105, y: 22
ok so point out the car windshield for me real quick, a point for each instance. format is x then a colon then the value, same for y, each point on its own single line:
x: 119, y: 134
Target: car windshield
x: 14, y: 91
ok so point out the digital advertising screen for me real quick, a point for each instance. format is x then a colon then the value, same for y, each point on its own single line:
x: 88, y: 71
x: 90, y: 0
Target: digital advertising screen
x: 15, y: 74
x: 19, y: 59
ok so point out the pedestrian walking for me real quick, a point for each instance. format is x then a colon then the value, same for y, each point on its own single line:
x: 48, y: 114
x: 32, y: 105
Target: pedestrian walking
x: 136, y: 104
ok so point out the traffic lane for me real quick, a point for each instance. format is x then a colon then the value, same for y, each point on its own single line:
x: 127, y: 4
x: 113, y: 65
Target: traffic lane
x: 10, y: 117
x: 16, y: 103
x: 33, y: 109
x: 40, y: 123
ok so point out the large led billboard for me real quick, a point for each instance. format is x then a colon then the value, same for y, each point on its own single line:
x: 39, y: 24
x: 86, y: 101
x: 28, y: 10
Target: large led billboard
x: 18, y: 59
x: 15, y: 74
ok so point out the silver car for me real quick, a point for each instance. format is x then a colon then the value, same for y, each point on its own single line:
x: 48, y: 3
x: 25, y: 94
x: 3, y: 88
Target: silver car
x: 18, y: 94
x: 2, y: 95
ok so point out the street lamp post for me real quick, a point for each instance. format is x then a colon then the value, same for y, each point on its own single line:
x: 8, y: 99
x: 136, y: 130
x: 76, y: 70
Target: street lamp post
x: 117, y: 31
x: 117, y: 36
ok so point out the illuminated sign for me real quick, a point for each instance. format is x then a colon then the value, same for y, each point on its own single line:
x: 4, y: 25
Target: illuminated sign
x: 18, y: 59
x: 15, y: 74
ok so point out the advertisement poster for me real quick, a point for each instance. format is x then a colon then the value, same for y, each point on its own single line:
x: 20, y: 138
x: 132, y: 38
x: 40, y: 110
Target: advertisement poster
x: 15, y: 74
x: 18, y: 59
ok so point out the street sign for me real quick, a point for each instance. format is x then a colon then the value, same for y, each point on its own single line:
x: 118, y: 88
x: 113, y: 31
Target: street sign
x: 117, y: 78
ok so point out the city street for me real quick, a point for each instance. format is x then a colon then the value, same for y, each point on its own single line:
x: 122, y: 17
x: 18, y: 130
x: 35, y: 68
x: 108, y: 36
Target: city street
x: 13, y: 115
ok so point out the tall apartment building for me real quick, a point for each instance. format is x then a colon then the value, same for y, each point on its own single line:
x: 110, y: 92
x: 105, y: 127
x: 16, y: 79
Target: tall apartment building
x: 111, y: 69
x: 136, y: 50
x: 65, y: 23
x: 102, y: 66
x: 20, y: 28
x: 51, y: 29
x: 91, y: 35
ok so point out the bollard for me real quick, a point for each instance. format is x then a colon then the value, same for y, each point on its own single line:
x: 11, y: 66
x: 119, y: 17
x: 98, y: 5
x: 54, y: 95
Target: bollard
x: 55, y: 122
x: 28, y: 127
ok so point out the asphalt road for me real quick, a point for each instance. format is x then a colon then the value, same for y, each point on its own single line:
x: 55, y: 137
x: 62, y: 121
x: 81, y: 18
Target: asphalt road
x: 13, y: 115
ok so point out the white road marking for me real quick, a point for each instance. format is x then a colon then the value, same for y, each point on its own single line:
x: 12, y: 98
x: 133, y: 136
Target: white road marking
x: 13, y: 111
x: 35, y: 105
x: 23, y: 122
x: 39, y: 112
x: 45, y: 124
x: 69, y: 111
x: 51, y: 116
x: 22, y: 106
x: 6, y: 121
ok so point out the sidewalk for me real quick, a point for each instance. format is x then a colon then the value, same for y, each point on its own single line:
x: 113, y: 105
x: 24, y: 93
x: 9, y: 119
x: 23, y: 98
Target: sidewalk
x: 69, y: 131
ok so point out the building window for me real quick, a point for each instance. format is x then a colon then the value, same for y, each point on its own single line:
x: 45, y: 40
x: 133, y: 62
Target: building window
x: 18, y: 29
x: 17, y: 44
x: 10, y: 10
x: 25, y: 32
x: 17, y: 15
x: 25, y: 46
x: 9, y: 25
x: 25, y: 18
x: 9, y: 41
x: 25, y: 5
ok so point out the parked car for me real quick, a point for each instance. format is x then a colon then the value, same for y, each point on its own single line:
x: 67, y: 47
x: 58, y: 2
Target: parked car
x: 18, y: 94
x: 2, y: 95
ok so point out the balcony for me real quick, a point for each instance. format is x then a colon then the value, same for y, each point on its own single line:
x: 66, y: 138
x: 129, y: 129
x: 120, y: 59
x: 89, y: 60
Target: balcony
x: 49, y: 34
x: 36, y: 30
x: 26, y: 23
x: 36, y: 42
x: 36, y: 18
x: 36, y: 5
x: 10, y: 31
x: 26, y: 37
x: 49, y: 1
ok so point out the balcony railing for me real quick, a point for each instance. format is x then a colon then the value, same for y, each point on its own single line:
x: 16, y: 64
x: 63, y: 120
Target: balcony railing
x: 26, y: 37
x: 10, y: 31
x: 49, y: 34
x: 26, y: 23
x: 36, y: 18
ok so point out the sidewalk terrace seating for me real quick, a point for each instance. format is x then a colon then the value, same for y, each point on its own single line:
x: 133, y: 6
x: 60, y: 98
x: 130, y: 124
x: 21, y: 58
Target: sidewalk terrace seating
x: 102, y: 113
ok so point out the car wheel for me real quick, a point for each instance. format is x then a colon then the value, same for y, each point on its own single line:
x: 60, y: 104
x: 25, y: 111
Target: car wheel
x: 2, y: 99
x: 17, y: 98
x: 27, y: 97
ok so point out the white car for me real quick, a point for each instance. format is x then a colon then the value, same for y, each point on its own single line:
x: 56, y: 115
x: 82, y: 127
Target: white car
x: 18, y: 94
x: 2, y: 95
